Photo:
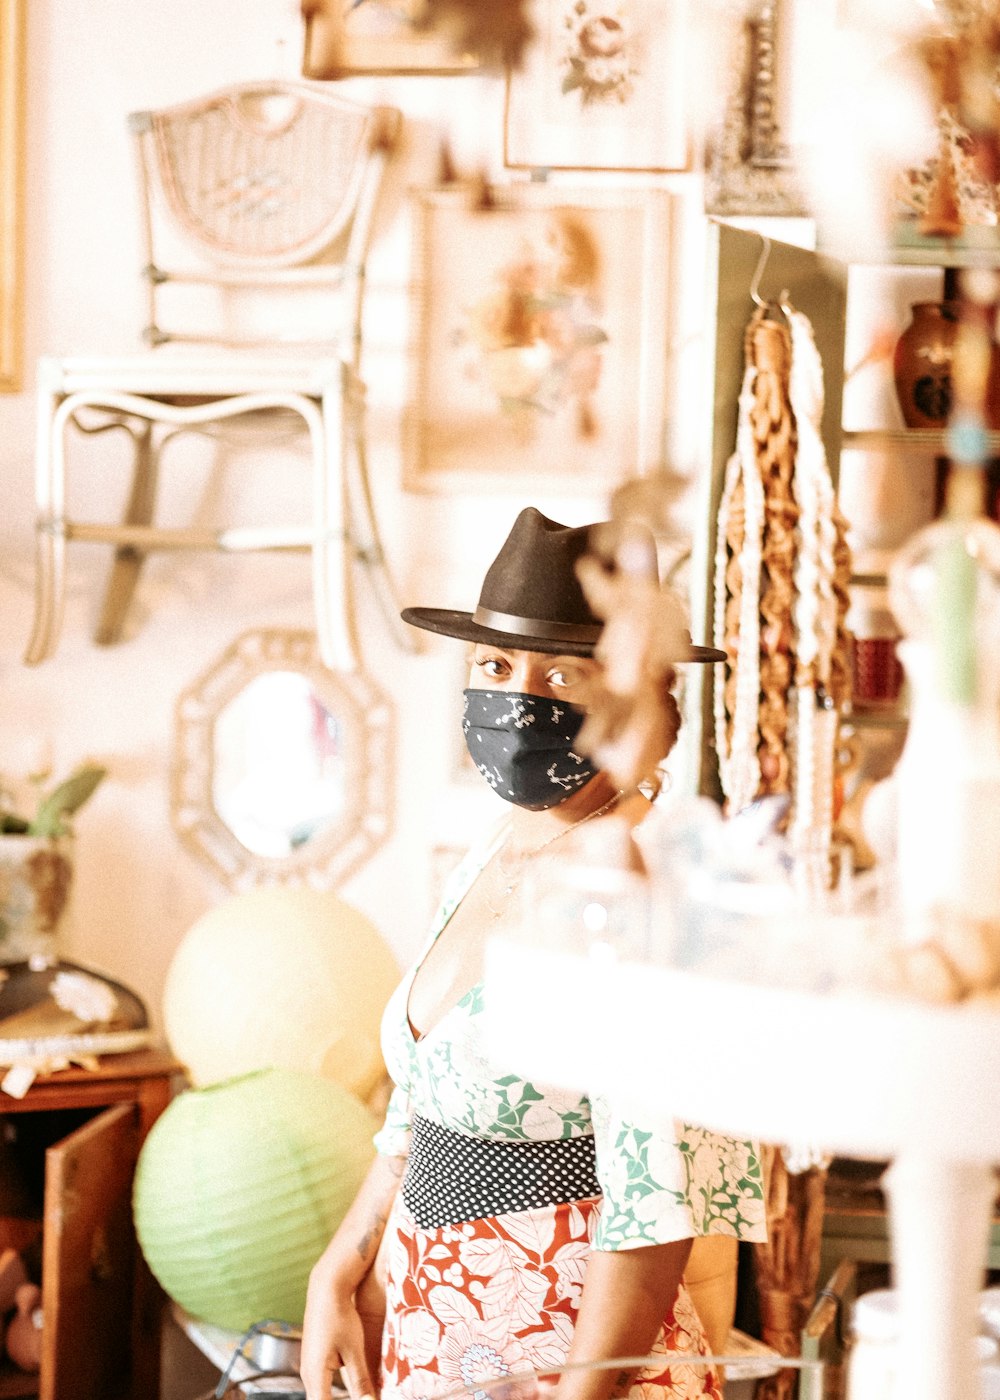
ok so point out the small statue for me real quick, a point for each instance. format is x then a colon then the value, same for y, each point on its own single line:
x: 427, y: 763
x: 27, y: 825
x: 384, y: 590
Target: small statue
x: 24, y: 1331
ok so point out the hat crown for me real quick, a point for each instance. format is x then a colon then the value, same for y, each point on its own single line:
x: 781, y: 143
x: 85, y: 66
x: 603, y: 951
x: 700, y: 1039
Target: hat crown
x: 534, y: 575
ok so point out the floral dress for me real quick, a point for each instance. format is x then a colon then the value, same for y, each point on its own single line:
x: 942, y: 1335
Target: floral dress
x: 484, y: 1277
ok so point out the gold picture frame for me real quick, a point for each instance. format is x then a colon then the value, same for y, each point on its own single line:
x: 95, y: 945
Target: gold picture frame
x: 750, y: 170
x: 601, y: 87
x: 378, y: 36
x: 538, y: 353
x: 12, y: 51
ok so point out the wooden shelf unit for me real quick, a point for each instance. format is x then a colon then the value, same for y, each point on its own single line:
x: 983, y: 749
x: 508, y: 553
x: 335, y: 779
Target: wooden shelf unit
x: 68, y: 1151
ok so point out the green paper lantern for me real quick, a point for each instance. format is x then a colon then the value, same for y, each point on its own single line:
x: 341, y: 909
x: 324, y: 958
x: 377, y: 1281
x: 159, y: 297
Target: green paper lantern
x: 239, y: 1187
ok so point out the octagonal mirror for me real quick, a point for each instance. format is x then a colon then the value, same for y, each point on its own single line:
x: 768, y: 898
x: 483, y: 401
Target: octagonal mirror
x: 281, y: 766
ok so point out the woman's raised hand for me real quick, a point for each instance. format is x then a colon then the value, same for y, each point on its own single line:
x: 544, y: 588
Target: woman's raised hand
x: 632, y: 717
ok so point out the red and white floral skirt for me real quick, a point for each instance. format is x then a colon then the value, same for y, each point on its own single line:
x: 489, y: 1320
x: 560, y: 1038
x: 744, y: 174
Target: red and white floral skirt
x: 485, y: 1298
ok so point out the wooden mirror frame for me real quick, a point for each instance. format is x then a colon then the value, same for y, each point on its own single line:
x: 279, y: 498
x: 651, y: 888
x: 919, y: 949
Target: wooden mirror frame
x: 340, y: 846
x: 12, y: 89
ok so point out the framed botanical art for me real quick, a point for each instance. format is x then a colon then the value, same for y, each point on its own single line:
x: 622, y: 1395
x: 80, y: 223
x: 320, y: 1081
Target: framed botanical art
x: 12, y: 16
x: 539, y: 338
x: 602, y: 86
x: 344, y: 37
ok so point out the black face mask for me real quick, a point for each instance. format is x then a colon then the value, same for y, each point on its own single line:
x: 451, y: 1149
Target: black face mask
x: 523, y: 746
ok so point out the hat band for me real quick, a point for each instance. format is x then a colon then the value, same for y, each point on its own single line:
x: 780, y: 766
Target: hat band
x: 538, y: 627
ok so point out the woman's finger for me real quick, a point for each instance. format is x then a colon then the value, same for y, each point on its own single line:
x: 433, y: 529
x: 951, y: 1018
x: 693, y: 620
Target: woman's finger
x: 318, y: 1382
x: 357, y: 1380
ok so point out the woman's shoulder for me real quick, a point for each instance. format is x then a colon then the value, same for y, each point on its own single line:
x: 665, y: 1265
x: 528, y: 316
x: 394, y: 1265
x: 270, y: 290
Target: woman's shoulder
x: 464, y: 872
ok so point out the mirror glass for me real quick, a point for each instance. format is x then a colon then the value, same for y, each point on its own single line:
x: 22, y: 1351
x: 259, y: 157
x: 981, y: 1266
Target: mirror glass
x: 282, y: 769
x: 279, y: 777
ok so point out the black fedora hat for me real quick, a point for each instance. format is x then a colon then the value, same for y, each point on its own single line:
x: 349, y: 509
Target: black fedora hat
x: 531, y: 599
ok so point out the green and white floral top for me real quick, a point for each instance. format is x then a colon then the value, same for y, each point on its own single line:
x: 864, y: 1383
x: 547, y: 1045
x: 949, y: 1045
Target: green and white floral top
x: 661, y: 1179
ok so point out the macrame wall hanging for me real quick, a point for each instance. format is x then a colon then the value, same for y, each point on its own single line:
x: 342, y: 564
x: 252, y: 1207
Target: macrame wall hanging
x: 782, y: 571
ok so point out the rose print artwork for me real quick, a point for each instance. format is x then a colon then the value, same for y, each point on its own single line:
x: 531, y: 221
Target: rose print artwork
x: 598, y: 63
x: 603, y: 86
x: 538, y: 346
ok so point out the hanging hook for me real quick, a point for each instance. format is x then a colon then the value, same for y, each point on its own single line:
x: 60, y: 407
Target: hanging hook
x: 776, y: 311
x: 758, y: 272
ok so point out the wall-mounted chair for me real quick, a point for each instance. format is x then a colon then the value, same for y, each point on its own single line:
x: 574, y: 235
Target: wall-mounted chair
x: 255, y: 197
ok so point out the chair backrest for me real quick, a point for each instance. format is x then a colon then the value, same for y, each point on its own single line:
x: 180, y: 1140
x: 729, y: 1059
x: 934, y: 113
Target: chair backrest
x: 259, y: 186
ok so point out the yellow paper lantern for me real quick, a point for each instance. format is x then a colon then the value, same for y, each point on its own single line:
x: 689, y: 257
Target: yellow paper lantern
x: 287, y: 978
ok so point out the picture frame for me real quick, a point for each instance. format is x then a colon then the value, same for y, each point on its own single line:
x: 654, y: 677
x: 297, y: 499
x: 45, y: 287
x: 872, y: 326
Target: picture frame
x: 601, y: 87
x: 749, y: 169
x: 12, y: 90
x: 343, y: 39
x: 539, y: 338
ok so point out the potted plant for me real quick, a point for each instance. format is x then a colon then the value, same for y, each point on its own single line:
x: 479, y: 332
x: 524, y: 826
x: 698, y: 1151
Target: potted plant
x: 36, y: 862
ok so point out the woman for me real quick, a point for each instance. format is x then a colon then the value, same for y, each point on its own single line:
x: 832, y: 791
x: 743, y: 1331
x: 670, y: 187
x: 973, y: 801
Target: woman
x: 511, y: 1226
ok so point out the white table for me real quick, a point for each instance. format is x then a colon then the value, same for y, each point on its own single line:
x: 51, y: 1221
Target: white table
x: 862, y: 1076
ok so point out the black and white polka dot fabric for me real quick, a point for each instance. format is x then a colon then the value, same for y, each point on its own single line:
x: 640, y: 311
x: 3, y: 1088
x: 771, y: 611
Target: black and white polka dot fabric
x: 451, y: 1177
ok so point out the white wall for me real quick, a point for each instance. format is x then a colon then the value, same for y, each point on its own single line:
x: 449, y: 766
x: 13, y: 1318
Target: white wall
x: 137, y: 890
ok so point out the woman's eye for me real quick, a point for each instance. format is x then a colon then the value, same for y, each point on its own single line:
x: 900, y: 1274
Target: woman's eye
x: 492, y: 666
x: 564, y: 678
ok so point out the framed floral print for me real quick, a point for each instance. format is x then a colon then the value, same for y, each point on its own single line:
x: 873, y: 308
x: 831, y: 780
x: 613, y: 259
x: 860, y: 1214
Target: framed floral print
x: 539, y: 338
x: 345, y: 37
x: 601, y: 87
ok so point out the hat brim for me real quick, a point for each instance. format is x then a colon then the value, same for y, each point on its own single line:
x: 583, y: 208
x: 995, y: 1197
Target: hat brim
x: 448, y: 622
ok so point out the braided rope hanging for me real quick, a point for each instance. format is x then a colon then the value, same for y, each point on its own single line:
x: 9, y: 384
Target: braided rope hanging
x: 781, y: 575
x: 822, y: 570
x: 737, y: 616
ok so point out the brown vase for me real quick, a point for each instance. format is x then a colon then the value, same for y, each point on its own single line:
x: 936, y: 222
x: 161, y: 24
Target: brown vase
x: 922, y: 364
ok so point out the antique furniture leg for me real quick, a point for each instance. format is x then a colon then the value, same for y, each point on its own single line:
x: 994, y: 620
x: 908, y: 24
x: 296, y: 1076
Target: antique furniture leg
x: 129, y: 558
x: 364, y: 527
x: 329, y: 555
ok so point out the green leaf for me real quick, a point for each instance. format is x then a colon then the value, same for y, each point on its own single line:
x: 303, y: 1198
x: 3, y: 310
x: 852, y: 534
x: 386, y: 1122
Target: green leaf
x: 64, y: 800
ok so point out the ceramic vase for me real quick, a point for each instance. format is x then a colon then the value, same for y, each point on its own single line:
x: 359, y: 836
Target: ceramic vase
x: 35, y: 877
x: 922, y: 364
x: 922, y: 368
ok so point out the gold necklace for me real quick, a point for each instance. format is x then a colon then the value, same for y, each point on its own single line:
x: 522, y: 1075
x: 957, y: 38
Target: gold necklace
x: 511, y: 877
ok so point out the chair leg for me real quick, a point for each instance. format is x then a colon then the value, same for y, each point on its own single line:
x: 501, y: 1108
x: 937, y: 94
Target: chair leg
x: 129, y: 559
x: 364, y: 528
x: 331, y: 584
x: 42, y: 641
x: 50, y: 544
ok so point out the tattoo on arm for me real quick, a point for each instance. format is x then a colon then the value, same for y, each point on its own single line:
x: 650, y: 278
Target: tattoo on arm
x: 372, y: 1234
x: 368, y: 1242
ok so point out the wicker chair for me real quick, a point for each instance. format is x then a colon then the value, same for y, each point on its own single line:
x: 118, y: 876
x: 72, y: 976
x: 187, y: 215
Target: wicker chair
x: 260, y: 195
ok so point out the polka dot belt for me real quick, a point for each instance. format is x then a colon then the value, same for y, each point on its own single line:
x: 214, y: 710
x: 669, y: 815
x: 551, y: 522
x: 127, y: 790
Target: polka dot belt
x: 451, y: 1177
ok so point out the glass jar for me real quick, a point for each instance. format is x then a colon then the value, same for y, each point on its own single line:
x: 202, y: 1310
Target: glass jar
x: 872, y: 1363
